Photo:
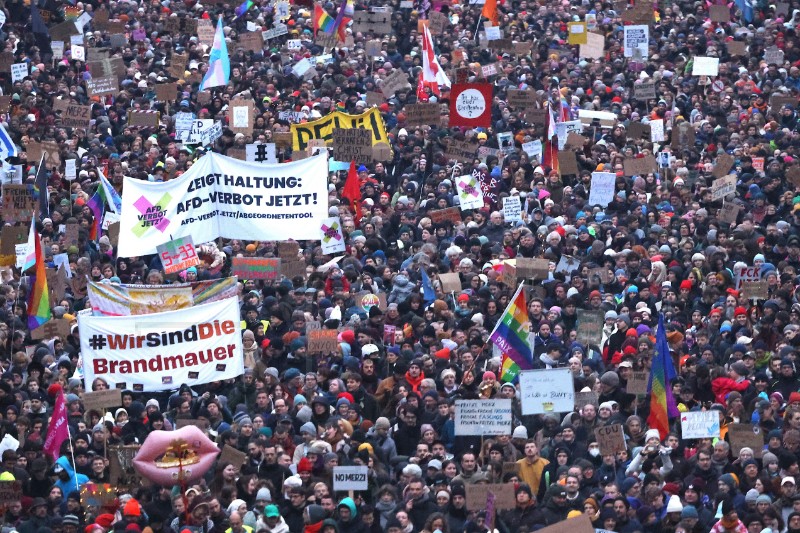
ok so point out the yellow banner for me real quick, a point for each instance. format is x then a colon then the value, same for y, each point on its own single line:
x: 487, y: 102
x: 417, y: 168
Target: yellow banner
x: 323, y: 128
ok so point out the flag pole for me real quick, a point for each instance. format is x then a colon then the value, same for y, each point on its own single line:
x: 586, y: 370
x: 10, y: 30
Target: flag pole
x: 72, y: 452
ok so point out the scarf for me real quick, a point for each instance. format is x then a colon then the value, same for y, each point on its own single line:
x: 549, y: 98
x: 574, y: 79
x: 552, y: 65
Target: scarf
x: 313, y: 528
x: 385, y: 511
x: 728, y: 523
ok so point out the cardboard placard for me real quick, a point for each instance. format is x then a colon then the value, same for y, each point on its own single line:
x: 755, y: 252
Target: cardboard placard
x: 637, y: 131
x: 746, y: 436
x: 177, y: 65
x: 57, y: 284
x: 18, y: 203
x: 252, y: 41
x: 293, y: 269
x: 722, y: 165
x: 736, y: 48
x: 122, y: 474
x: 394, y: 82
x: 241, y: 116
x: 63, y: 31
x: 438, y: 22
x: 144, y: 119
x: 256, y: 267
x: 532, y: 268
x: 205, y: 31
x: 611, y: 439
x: 636, y: 166
x: 233, y: 456
x: 722, y: 187
x: 103, y: 85
x: 755, y: 290
x: 637, y: 383
x: 728, y: 213
x: 451, y: 282
x: 167, y: 92
x: 777, y: 101
x: 463, y: 151
x: 503, y: 492
x: 10, y: 491
x: 202, y: 423
x: 594, y: 47
x: 567, y: 163
x: 579, y: 524
x: 450, y: 214
x: 57, y: 327
x: 521, y: 100
x: 101, y: 400
x: 352, y: 144
x: 720, y: 14
x: 76, y: 116
x: 323, y: 341
x: 586, y: 398
x: 422, y: 114
x: 641, y: 13
x: 683, y: 135
x: 11, y: 236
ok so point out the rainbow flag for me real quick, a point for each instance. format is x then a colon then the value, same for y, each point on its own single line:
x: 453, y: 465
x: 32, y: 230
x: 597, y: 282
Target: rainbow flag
x: 510, y: 335
x: 30, y: 251
x: 244, y: 8
x: 662, y: 403
x: 343, y: 18
x: 323, y: 21
x: 38, y: 295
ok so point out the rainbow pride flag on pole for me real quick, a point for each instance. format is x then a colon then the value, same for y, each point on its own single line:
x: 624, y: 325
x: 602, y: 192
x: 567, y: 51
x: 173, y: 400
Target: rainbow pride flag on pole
x: 244, y: 8
x: 510, y: 335
x: 38, y: 293
x: 323, y: 21
x: 662, y: 403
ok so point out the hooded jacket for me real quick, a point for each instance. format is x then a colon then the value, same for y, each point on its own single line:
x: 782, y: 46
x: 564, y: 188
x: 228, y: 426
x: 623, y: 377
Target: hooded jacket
x: 354, y: 524
x: 75, y: 480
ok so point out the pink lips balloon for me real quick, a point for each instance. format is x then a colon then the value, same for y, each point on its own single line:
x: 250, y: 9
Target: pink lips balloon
x: 170, y: 457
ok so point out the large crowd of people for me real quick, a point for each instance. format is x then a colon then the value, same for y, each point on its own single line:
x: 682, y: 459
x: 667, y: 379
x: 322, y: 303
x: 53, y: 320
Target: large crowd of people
x: 664, y: 245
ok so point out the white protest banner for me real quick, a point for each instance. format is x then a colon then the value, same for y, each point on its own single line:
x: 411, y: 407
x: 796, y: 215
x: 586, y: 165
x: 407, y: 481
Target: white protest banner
x: 162, y: 351
x: 546, y: 391
x: 223, y: 197
x: 350, y: 478
x: 469, y: 192
x: 700, y: 425
x: 493, y: 33
x: 635, y: 36
x: 512, y: 209
x: 331, y: 237
x: 70, y: 172
x: 183, y: 124
x: 58, y: 50
x: 483, y: 417
x: 601, y: 191
x: 746, y: 274
x: 18, y: 72
x: 705, y: 66
x: 76, y: 40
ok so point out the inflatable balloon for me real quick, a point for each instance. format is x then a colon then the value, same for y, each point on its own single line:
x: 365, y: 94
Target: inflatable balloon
x: 171, y: 457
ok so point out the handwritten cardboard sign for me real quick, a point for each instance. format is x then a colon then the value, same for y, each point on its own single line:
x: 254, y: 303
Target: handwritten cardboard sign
x: 477, y: 493
x: 746, y: 436
x: 451, y: 282
x: 57, y: 327
x: 352, y: 144
x: 722, y: 187
x: 323, y: 341
x: 637, y: 383
x: 394, y: 82
x: 102, y: 85
x: 635, y: 166
x: 532, y: 268
x: 422, y: 114
x: 611, y: 439
x: 463, y: 151
x: 177, y: 66
x: 167, y: 92
x: 18, y: 203
x: 101, y: 400
x: 76, y: 116
x: 450, y: 214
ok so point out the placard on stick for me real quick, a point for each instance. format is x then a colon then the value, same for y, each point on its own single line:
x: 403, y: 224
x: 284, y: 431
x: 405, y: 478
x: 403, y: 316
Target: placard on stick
x: 611, y: 439
x: 746, y: 436
x: 451, y: 282
x: 532, y: 268
x: 422, y: 114
x: 637, y: 383
x: 57, y: 327
x: 233, y: 456
x: 352, y: 144
x: 323, y: 341
x: 102, y: 399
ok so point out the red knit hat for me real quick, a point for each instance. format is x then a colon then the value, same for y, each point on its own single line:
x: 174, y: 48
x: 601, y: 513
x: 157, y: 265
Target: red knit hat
x: 304, y: 465
x: 131, y: 508
x: 686, y: 284
x: 740, y: 311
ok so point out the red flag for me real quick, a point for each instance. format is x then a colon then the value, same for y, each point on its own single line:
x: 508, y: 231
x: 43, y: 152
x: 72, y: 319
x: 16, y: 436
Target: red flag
x: 352, y: 192
x: 58, y: 431
x: 490, y: 11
